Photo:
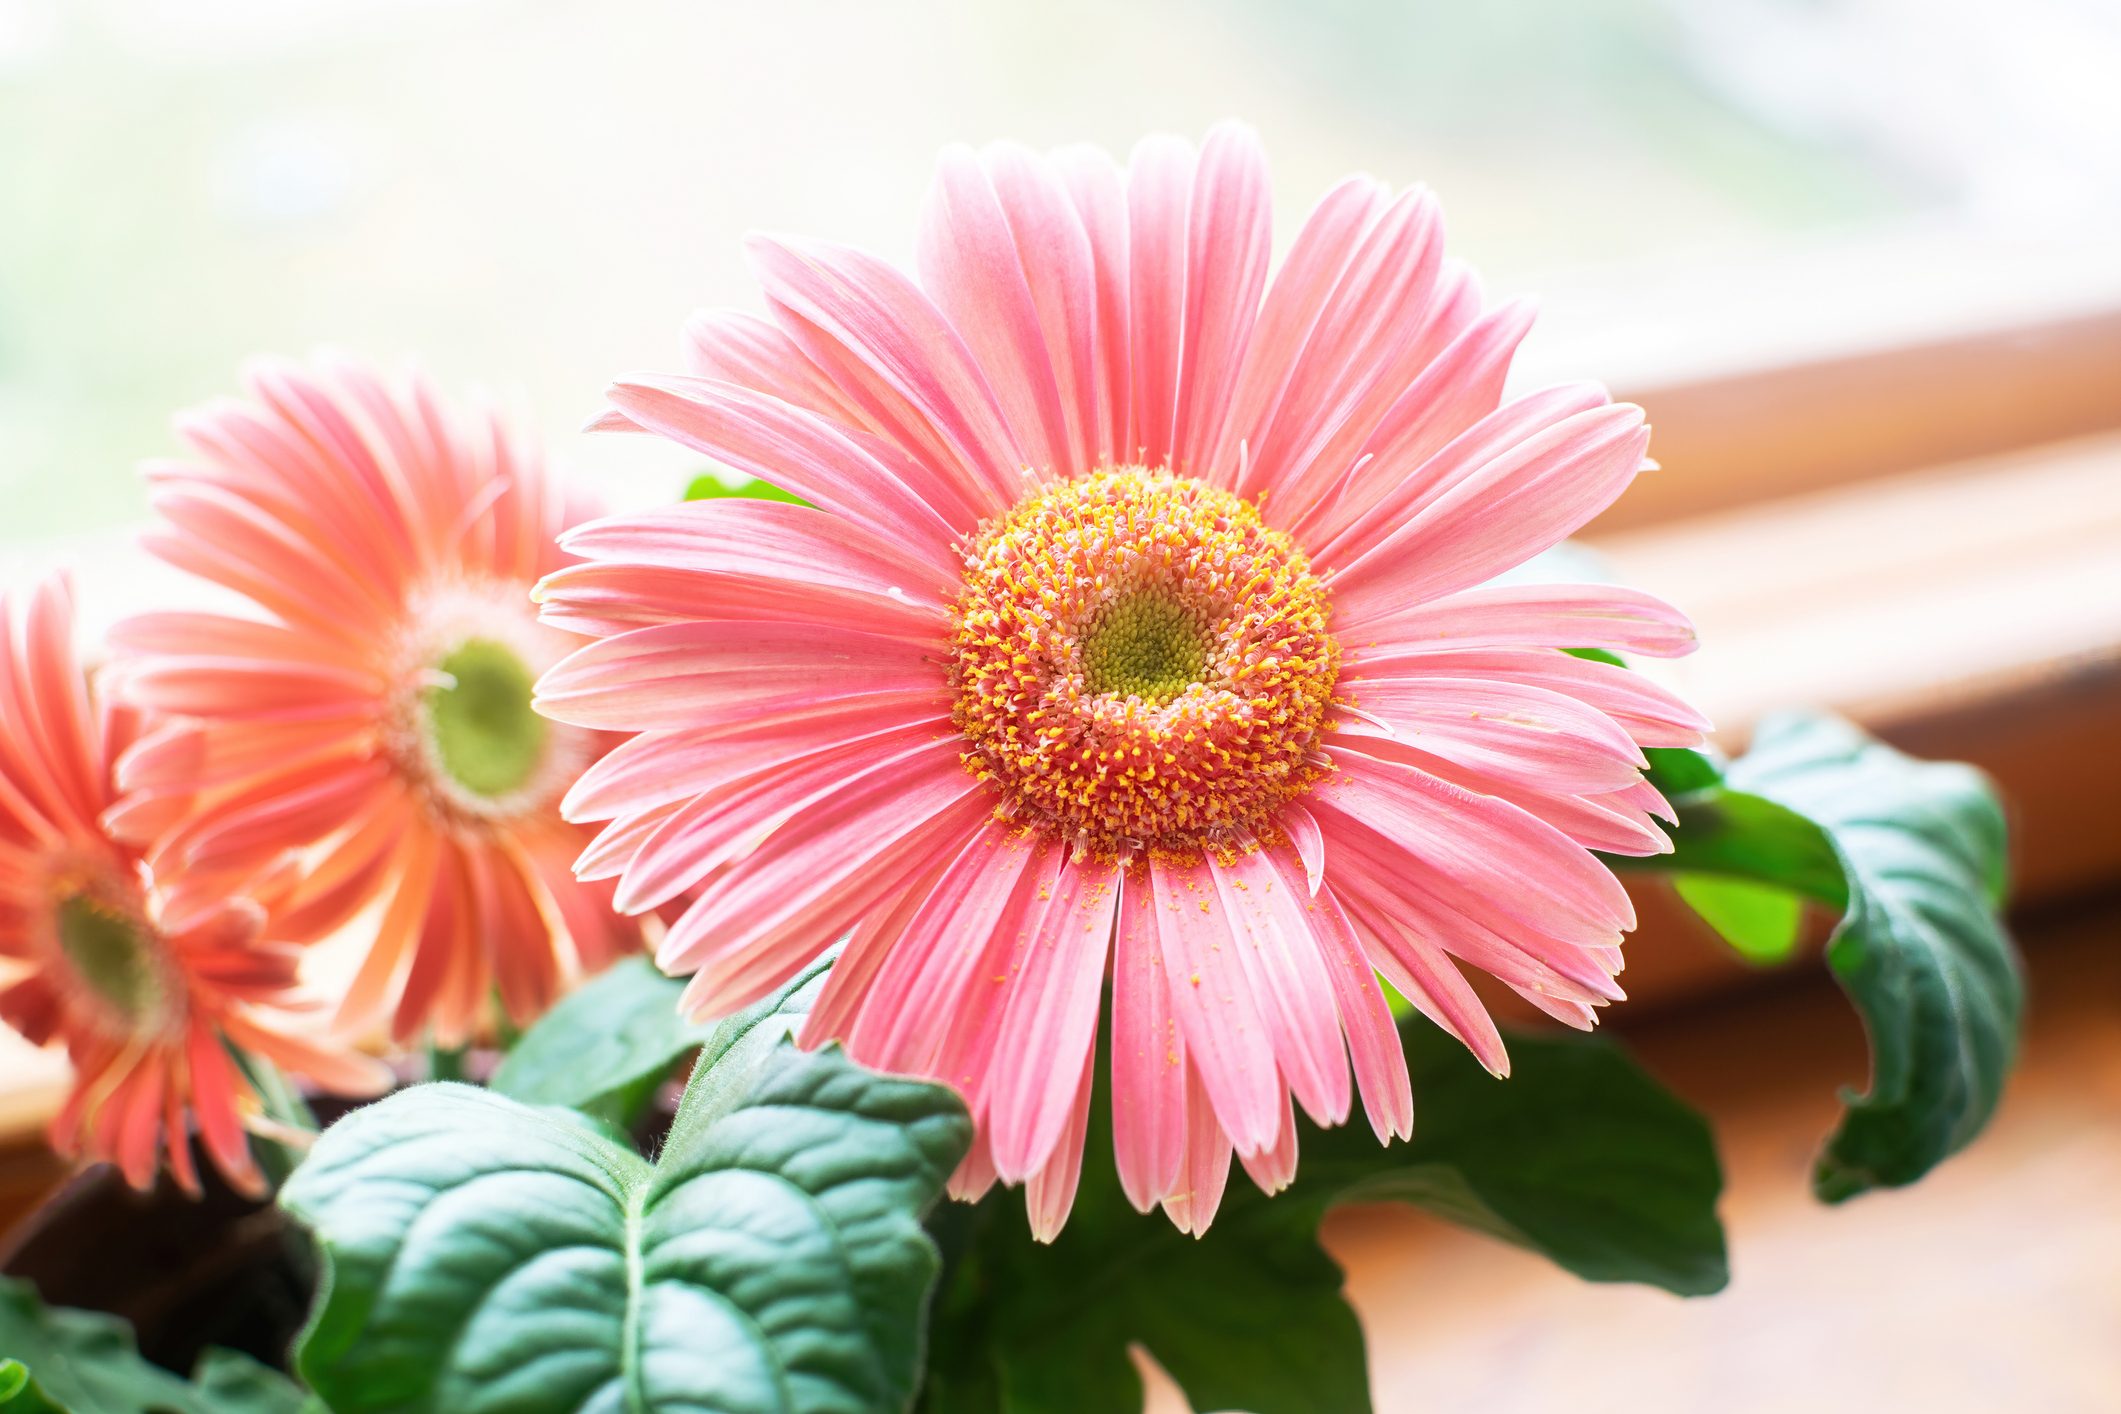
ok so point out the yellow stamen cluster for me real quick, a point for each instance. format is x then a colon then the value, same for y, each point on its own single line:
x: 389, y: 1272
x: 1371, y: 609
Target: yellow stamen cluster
x: 1141, y: 661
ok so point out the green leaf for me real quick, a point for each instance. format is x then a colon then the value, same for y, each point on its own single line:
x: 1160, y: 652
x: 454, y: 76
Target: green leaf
x: 232, y: 1383
x: 1913, y: 857
x: 487, y: 1256
x: 1920, y: 850
x: 1678, y: 771
x: 707, y: 486
x: 19, y: 1393
x: 54, y: 1360
x: 1762, y: 922
x: 618, y: 1031
x: 1578, y: 1156
x: 1732, y: 833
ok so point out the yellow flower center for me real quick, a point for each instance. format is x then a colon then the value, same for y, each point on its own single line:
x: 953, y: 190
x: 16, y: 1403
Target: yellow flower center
x: 1140, y: 661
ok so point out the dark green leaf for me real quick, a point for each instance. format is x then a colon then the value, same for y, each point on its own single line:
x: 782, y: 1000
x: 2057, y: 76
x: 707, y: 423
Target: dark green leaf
x: 84, y: 1362
x: 1578, y: 1156
x: 486, y: 1256
x: 618, y: 1030
x: 709, y: 487
x: 231, y: 1383
x: 1678, y: 771
x: 1920, y: 949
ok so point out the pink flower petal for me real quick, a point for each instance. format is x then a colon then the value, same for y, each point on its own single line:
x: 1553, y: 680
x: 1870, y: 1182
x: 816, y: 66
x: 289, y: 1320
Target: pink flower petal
x: 1509, y: 730
x: 961, y: 943
x: 1148, y: 1053
x: 1609, y: 822
x: 1229, y: 234
x: 1284, y: 970
x: 1050, y: 1017
x: 1309, y: 844
x: 1373, y: 1036
x: 1050, y: 1195
x: 1004, y: 256
x: 974, y: 1176
x: 1526, y: 500
x: 1381, y: 326
x: 894, y: 355
x: 1159, y: 189
x: 1294, y: 304
x: 1651, y: 715
x: 1528, y: 616
x: 853, y: 475
x: 729, y: 346
x: 1099, y: 192
x: 1274, y: 1168
x: 1478, y: 847
x: 1425, y: 976
x: 852, y: 977
x: 1415, y: 488
x: 1498, y: 939
x: 1462, y: 385
x: 725, y: 821
x: 657, y: 768
x: 1205, y: 1169
x: 751, y: 929
x: 690, y: 674
x: 1225, y: 1034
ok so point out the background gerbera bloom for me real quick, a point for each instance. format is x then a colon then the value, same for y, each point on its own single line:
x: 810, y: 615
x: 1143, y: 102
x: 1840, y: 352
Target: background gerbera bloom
x: 372, y: 710
x: 147, y: 979
x: 1139, y: 634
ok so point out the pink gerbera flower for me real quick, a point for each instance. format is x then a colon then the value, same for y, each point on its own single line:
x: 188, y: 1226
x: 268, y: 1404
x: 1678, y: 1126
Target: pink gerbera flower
x: 147, y: 977
x: 1142, y: 634
x: 373, y: 709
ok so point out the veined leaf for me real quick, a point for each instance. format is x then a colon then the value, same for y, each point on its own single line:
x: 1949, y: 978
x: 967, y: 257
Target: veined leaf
x: 1912, y: 855
x: 1920, y: 949
x: 486, y: 1256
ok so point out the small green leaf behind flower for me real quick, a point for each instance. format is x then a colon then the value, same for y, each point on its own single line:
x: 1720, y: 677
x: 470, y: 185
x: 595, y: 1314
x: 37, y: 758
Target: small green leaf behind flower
x: 1761, y: 922
x: 605, y: 1045
x: 709, y: 486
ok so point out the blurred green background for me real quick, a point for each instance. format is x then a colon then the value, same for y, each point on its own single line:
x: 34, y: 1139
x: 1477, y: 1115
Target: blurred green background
x: 530, y: 195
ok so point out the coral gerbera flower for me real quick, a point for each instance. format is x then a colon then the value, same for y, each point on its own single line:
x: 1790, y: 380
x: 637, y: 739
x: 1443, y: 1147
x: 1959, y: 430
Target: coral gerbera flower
x: 147, y: 979
x: 1141, y: 633
x: 373, y: 710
